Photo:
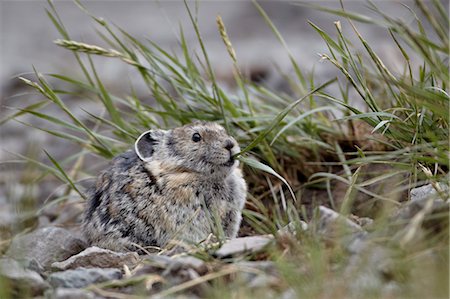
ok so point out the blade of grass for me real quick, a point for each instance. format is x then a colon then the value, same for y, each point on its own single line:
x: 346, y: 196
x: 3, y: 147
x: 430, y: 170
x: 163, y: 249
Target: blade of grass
x: 63, y: 173
x: 263, y: 167
x: 277, y: 120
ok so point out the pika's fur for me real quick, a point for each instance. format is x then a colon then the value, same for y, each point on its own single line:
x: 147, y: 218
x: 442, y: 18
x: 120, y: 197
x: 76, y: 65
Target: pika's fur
x: 176, y: 184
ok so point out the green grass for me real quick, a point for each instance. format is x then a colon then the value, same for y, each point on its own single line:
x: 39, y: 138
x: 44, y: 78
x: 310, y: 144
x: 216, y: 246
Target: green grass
x: 292, y: 146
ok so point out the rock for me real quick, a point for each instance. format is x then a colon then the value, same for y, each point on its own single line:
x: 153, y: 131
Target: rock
x: 293, y: 227
x: 152, y: 264
x: 164, y: 265
x: 332, y: 224
x: 19, y: 277
x: 419, y: 199
x: 45, y: 245
x: 66, y: 293
x: 357, y: 242
x: 289, y: 294
x: 264, y: 281
x: 252, y: 269
x: 82, y: 277
x: 191, y: 262
x: 160, y: 261
x: 371, y: 270
x: 95, y: 257
x: 422, y: 193
x: 264, y: 266
x: 243, y: 245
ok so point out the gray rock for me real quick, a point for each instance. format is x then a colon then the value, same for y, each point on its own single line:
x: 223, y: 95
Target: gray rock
x: 370, y: 271
x: 95, y: 257
x: 166, y: 265
x: 357, y: 242
x: 191, y: 262
x: 45, y: 245
x: 264, y: 281
x: 293, y: 227
x: 265, y: 266
x: 422, y: 193
x: 66, y: 293
x: 420, y: 196
x: 289, y: 294
x: 333, y: 224
x: 243, y: 245
x: 18, y: 276
x: 161, y: 261
x: 82, y: 277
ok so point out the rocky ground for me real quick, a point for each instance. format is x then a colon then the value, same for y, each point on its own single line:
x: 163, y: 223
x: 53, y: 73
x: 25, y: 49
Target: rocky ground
x: 56, y: 262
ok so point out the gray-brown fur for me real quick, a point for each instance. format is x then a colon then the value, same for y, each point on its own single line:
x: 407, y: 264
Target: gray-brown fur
x: 177, y: 191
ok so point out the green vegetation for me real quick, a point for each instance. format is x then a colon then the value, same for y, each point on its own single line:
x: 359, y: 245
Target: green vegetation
x: 373, y: 155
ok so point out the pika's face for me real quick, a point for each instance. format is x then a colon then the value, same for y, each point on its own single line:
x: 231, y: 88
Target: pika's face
x: 203, y: 147
x: 200, y: 147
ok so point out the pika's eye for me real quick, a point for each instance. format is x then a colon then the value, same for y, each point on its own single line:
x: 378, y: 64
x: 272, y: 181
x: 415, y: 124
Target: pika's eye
x: 196, y: 137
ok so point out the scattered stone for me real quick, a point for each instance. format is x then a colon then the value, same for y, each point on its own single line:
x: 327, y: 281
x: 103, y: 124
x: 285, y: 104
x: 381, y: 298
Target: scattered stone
x: 66, y: 293
x: 419, y: 198
x: 264, y: 281
x: 161, y: 261
x: 95, y: 257
x: 45, y: 245
x: 191, y: 262
x: 152, y: 264
x: 370, y: 270
x: 357, y: 243
x: 34, y: 265
x: 289, y: 294
x: 332, y: 224
x: 82, y: 277
x: 364, y: 222
x: 293, y: 227
x: 20, y: 277
x: 265, y: 266
x: 243, y: 245
x: 422, y: 193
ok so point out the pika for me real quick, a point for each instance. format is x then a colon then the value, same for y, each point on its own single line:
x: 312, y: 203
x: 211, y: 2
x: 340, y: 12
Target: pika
x: 176, y: 184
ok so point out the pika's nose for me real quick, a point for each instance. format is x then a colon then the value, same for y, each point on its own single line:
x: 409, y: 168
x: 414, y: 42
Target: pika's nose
x: 229, y: 144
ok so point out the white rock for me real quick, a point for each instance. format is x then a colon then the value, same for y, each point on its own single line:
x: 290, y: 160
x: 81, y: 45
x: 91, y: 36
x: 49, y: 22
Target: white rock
x: 66, y: 293
x: 332, y: 223
x: 243, y: 245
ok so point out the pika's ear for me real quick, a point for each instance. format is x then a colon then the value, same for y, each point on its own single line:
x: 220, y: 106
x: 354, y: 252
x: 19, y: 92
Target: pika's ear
x: 145, y: 144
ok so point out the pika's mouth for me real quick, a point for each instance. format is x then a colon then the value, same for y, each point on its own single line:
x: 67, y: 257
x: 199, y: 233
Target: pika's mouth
x: 230, y: 162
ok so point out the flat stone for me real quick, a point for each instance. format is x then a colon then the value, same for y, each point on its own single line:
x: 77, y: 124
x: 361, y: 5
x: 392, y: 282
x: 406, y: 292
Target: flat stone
x: 243, y: 245
x: 422, y: 193
x: 263, y: 281
x: 95, y: 257
x: 82, y: 277
x: 264, y: 266
x: 45, y: 245
x: 367, y: 270
x: 293, y: 227
x: 333, y: 224
x: 191, y: 262
x: 420, y: 196
x: 19, y: 277
x: 66, y: 293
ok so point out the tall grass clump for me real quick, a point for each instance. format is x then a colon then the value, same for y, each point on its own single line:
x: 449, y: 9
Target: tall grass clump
x: 300, y: 150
